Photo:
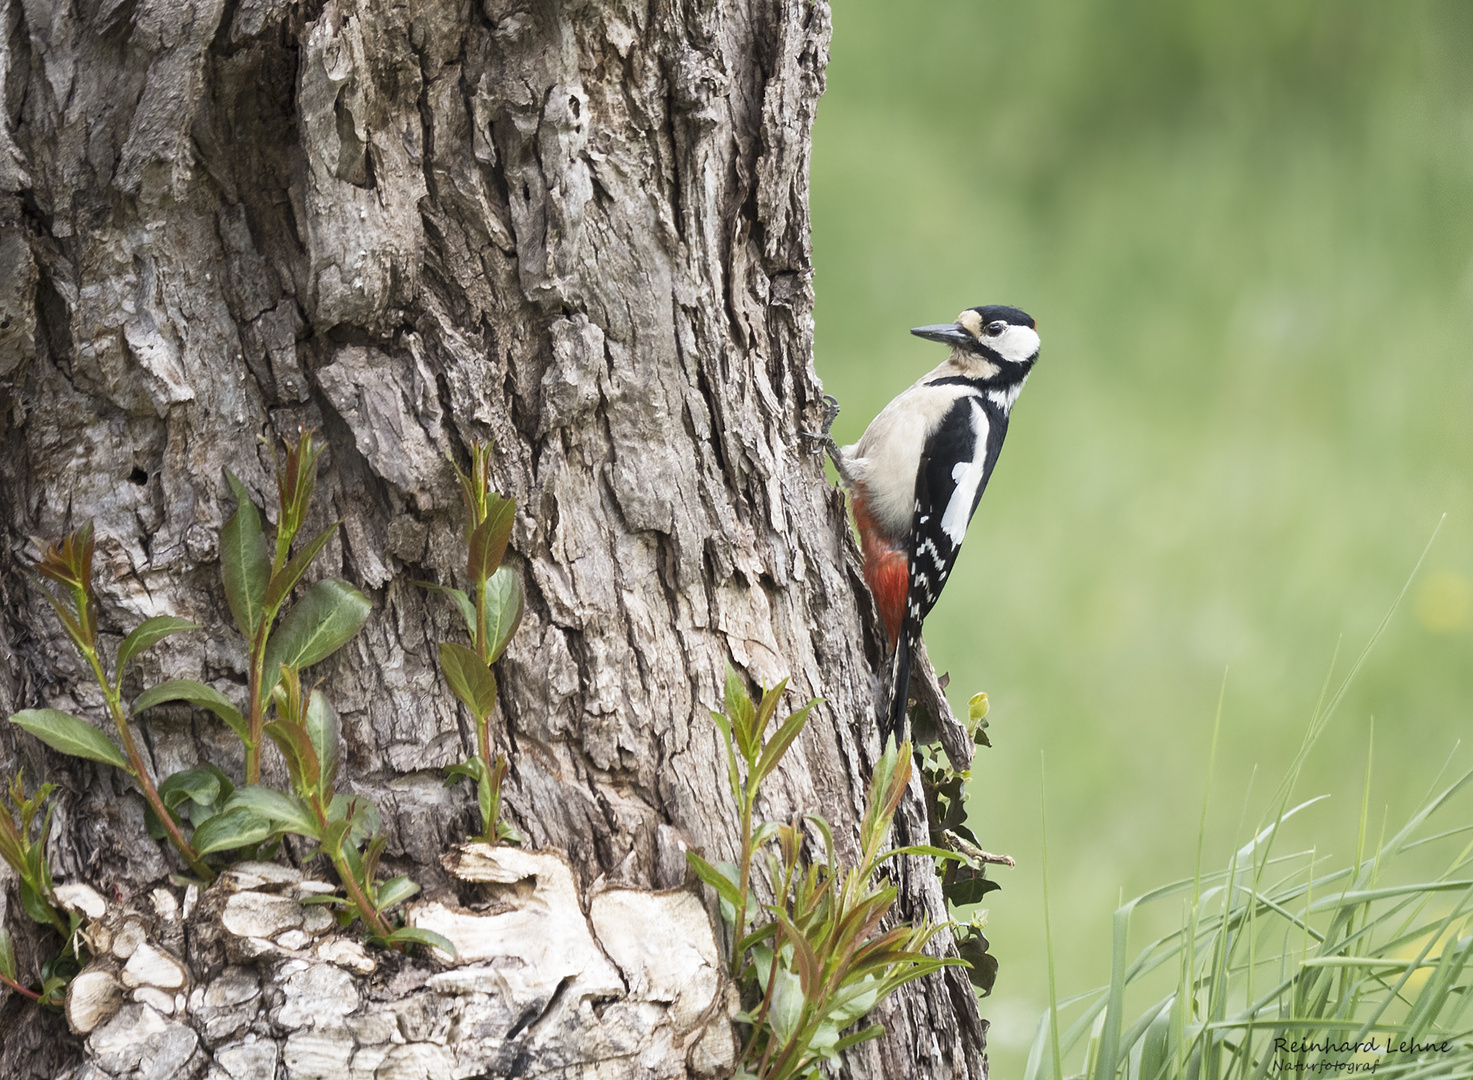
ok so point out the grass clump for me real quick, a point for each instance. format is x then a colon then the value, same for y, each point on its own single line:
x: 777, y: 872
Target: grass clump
x: 1286, y: 966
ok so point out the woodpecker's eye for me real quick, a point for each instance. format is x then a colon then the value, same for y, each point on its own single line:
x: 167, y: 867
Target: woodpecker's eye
x: 995, y: 328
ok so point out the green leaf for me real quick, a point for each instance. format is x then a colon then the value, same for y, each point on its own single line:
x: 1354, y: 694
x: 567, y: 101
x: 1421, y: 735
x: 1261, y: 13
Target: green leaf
x: 787, y: 1003
x: 371, y: 857
x: 148, y: 633
x: 244, y: 562
x: 318, y: 625
x: 505, y: 604
x: 360, y: 813
x: 195, y: 785
x: 322, y: 727
x: 488, y: 796
x: 53, y: 990
x: 740, y: 712
x: 968, y: 886
x: 853, y: 1001
x: 36, y: 905
x: 233, y: 829
x: 768, y: 705
x: 7, y: 955
x: 733, y: 774
x: 332, y: 843
x: 300, y: 754
x: 418, y: 936
x: 462, y: 601
x: 809, y: 967
x: 778, y: 745
x: 286, y: 812
x: 924, y: 849
x: 874, y: 1031
x: 64, y: 732
x: 488, y: 542
x: 281, y: 584
x: 470, y: 680
x: 724, y: 886
x: 325, y: 898
x: 470, y: 769
x: 396, y: 891
x: 509, y: 833
x: 196, y: 693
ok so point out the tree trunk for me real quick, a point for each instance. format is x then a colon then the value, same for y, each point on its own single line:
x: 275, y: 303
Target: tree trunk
x: 579, y: 230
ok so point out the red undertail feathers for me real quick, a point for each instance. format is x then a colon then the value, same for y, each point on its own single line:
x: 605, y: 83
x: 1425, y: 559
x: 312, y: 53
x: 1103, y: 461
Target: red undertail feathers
x: 886, y: 569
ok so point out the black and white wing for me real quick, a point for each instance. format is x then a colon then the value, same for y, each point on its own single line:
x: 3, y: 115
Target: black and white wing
x: 954, y: 471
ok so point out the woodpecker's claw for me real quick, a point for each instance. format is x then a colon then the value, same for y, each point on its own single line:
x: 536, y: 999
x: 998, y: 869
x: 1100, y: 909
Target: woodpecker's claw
x: 822, y: 439
x: 830, y: 412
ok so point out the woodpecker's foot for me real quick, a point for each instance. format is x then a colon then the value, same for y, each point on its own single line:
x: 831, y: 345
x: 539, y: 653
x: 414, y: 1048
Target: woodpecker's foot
x: 830, y: 412
x: 822, y: 440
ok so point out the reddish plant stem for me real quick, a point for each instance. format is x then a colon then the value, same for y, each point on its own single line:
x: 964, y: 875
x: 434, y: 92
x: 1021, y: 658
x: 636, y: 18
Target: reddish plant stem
x: 366, y: 911
x: 257, y: 706
x: 19, y: 989
x: 140, y: 774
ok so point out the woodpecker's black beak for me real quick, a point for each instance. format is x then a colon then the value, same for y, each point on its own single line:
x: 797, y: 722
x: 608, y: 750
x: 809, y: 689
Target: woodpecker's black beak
x: 946, y: 333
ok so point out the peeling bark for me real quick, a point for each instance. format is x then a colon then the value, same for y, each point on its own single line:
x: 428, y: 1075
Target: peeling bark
x: 578, y: 229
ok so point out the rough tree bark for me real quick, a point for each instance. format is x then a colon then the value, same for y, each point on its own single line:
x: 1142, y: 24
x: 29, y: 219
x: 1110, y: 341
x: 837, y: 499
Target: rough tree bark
x: 578, y: 229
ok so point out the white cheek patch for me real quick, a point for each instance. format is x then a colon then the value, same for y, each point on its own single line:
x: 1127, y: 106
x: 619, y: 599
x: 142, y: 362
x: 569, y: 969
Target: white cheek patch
x: 1016, y: 343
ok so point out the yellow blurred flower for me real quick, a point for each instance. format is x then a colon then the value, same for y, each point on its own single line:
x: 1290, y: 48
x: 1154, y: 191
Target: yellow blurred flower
x: 1445, y: 602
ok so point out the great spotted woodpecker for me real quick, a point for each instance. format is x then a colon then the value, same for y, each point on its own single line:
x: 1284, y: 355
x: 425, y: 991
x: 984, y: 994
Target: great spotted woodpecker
x: 918, y: 471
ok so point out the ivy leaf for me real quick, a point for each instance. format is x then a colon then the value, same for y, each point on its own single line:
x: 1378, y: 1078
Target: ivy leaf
x: 488, y: 541
x: 969, y: 886
x: 71, y: 735
x: 470, y: 679
x: 196, y: 693
x: 149, y: 633
x: 318, y: 625
x: 233, y: 829
x: 505, y: 604
x: 244, y: 562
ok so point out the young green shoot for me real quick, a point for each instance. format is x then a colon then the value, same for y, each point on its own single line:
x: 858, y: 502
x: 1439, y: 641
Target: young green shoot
x: 492, y: 611
x: 68, y: 563
x: 815, y: 960
x: 306, y: 730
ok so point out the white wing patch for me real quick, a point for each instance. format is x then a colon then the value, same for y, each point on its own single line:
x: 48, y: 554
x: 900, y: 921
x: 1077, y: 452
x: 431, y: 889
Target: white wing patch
x: 968, y: 475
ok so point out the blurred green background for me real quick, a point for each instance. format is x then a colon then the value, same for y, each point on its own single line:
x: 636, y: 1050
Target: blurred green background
x: 1246, y: 231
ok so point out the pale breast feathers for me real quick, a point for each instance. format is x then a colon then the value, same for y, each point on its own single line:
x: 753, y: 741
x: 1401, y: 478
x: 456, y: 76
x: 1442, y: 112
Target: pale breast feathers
x: 888, y: 455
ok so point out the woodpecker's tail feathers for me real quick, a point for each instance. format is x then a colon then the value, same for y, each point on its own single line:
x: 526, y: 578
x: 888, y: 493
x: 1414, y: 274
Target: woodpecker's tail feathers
x: 894, y: 722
